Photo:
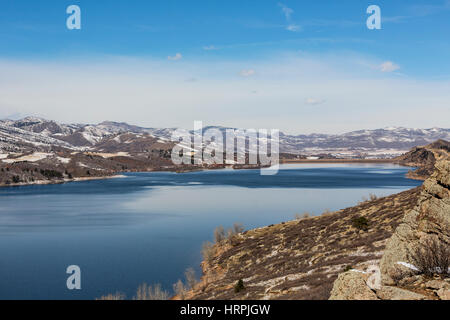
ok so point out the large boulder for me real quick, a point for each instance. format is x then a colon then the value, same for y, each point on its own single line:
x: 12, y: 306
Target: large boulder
x: 394, y: 293
x: 352, y: 285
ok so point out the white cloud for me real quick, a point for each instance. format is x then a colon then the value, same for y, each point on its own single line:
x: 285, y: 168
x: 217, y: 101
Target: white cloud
x: 178, y: 56
x: 247, y: 72
x: 209, y: 48
x: 314, y: 101
x: 154, y: 92
x: 293, y: 28
x: 286, y: 11
x: 388, y: 66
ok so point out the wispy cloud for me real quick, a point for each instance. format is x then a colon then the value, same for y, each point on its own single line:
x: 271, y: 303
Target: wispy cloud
x: 314, y: 101
x: 210, y: 48
x: 388, y: 66
x: 418, y: 11
x: 178, y: 56
x: 247, y: 73
x: 293, y: 27
x: 288, y: 12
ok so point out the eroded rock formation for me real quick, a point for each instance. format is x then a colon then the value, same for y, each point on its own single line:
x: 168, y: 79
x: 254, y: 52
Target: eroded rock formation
x: 400, y: 279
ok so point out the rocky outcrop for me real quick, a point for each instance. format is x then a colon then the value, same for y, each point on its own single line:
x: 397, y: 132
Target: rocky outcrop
x: 352, y: 285
x: 430, y: 218
x: 424, y: 159
x: 399, y: 278
x: 355, y: 285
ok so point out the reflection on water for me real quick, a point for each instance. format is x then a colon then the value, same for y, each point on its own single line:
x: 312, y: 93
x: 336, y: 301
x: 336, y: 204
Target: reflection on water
x: 150, y: 226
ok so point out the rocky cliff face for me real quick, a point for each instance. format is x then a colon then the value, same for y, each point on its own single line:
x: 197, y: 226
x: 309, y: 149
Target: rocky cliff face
x: 424, y: 158
x: 425, y: 231
x: 430, y: 218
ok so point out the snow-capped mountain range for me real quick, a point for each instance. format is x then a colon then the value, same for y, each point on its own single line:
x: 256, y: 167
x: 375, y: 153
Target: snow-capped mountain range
x: 33, y: 134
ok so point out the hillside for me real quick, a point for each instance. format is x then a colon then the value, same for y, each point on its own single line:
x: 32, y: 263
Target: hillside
x: 424, y: 158
x: 416, y: 262
x: 35, y: 133
x: 301, y: 259
x: 35, y: 150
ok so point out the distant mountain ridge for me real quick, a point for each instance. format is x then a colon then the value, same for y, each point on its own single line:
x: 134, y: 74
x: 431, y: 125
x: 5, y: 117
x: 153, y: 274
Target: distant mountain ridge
x: 33, y: 132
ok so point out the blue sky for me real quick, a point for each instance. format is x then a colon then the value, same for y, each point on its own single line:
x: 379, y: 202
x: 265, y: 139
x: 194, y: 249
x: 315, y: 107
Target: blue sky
x: 224, y: 58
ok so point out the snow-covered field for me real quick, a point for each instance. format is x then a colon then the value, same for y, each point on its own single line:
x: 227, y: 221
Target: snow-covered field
x: 110, y: 155
x: 36, y: 156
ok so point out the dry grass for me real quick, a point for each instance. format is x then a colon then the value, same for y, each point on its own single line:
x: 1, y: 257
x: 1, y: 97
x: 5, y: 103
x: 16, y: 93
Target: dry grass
x: 148, y: 292
x: 302, y: 216
x: 114, y: 296
x: 307, y: 254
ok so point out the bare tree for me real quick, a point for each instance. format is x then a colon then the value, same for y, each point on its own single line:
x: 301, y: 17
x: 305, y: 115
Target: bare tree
x: 180, y: 289
x: 191, y: 278
x: 146, y: 292
x: 238, y: 228
x: 219, y: 234
x: 208, y: 251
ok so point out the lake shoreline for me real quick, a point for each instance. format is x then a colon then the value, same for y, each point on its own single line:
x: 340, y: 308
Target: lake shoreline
x: 286, y: 161
x: 49, y: 182
x: 200, y: 169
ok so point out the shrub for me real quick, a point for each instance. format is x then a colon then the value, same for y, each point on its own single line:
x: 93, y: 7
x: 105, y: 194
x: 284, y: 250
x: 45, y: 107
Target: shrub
x: 373, y: 197
x: 238, y: 228
x: 432, y: 257
x: 146, y: 292
x: 179, y: 289
x: 15, y: 179
x: 302, y: 216
x: 208, y: 251
x: 239, y: 286
x: 115, y: 296
x: 219, y: 234
x: 348, y: 268
x: 361, y: 223
x: 191, y: 278
x: 398, y: 274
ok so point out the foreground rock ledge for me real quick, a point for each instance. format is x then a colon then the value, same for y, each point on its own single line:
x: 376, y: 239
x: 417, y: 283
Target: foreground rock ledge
x: 429, y: 218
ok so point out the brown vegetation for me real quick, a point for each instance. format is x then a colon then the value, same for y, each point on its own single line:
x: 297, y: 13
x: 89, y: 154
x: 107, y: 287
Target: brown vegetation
x: 300, y: 259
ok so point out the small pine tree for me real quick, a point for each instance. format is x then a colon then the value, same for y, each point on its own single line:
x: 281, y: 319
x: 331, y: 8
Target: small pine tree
x: 239, y: 286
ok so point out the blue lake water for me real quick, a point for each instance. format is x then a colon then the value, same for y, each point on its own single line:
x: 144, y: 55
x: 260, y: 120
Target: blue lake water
x: 149, y: 227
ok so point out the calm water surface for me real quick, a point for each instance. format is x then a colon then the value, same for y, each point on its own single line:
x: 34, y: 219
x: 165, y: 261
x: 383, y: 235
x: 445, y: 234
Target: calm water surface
x: 149, y: 227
